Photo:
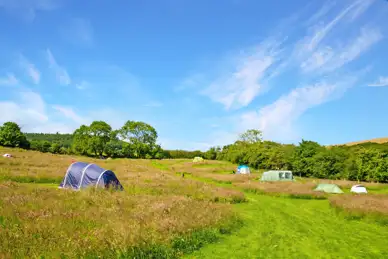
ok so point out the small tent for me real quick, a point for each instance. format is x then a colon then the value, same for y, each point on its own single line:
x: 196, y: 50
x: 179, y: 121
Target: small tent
x: 243, y: 169
x: 197, y: 159
x: 81, y: 175
x: 358, y: 189
x: 329, y: 188
x: 277, y: 175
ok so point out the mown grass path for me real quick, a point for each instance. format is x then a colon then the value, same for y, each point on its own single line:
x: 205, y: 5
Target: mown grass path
x: 295, y: 228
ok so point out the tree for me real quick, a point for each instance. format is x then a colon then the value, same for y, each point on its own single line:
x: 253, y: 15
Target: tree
x: 81, y: 139
x: 141, y: 136
x: 303, y: 159
x: 251, y: 136
x: 211, y: 154
x: 100, y: 134
x: 11, y: 136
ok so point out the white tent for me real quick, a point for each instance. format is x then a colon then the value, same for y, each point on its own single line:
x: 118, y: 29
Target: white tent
x: 358, y: 189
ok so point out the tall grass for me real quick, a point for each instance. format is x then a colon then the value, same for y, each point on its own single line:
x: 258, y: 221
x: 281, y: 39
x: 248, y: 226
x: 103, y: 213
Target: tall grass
x: 357, y: 206
x: 49, y: 222
x: 159, y: 215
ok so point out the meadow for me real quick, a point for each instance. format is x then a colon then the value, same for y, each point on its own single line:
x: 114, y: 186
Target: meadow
x: 175, y: 208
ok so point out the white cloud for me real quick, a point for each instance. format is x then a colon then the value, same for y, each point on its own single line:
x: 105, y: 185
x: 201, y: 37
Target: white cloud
x: 61, y: 73
x: 330, y: 43
x: 355, y: 9
x: 328, y: 59
x: 277, y: 120
x: 68, y: 112
x: 28, y: 9
x: 31, y: 70
x: 238, y: 88
x: 28, y: 110
x: 78, y: 31
x: 383, y: 81
x: 9, y: 80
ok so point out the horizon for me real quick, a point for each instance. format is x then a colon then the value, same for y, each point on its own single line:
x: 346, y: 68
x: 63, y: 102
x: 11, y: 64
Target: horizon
x: 199, y: 72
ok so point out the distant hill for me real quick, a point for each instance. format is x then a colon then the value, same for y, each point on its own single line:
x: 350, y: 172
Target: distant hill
x: 375, y: 140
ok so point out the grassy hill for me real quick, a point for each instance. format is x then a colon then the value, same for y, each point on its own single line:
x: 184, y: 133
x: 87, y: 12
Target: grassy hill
x: 162, y: 214
x: 375, y: 140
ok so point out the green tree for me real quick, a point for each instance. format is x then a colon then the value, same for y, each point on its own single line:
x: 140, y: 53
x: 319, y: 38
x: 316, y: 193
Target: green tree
x: 100, y: 134
x: 251, y: 136
x: 303, y: 159
x: 11, y: 136
x: 81, y: 137
x: 141, y: 136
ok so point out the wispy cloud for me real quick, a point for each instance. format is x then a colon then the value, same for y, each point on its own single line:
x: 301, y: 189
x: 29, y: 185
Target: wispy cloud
x: 61, y: 73
x: 354, y: 10
x: 154, y: 104
x: 328, y: 58
x: 190, y: 83
x: 68, y: 112
x: 78, y: 31
x: 247, y: 80
x: 277, y: 119
x: 9, y: 80
x: 31, y: 70
x: 28, y: 9
x: 317, y: 53
x: 28, y: 110
x: 82, y: 85
x: 382, y: 81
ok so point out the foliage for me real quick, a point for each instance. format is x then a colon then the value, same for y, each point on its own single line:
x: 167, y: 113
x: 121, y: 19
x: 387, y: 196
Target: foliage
x: 173, y: 154
x: 362, y: 162
x: 64, y: 140
x: 11, y: 136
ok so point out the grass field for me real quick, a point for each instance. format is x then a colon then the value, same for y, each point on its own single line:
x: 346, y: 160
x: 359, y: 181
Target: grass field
x: 174, y: 208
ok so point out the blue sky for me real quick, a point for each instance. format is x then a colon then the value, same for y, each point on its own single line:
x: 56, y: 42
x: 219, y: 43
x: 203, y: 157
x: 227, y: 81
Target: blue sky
x: 200, y: 72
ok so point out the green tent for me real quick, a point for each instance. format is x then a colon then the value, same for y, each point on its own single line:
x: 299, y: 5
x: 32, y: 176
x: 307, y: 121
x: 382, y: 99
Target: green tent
x: 197, y: 159
x: 329, y: 188
x: 277, y: 175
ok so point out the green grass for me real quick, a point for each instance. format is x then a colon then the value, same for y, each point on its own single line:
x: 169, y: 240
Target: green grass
x: 295, y: 228
x: 159, y: 166
x: 164, y: 215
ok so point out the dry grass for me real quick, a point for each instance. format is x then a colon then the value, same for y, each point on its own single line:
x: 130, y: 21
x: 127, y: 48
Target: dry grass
x: 375, y: 140
x: 290, y: 189
x: 344, y: 183
x: 147, y: 219
x: 361, y: 204
x: 137, y: 176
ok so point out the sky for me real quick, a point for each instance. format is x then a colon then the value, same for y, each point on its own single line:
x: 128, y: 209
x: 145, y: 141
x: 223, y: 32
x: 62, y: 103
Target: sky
x: 201, y: 72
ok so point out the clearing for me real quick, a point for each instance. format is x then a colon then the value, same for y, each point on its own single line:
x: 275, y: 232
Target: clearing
x: 162, y: 214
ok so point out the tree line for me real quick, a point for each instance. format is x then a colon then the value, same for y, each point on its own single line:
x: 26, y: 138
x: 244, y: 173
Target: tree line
x: 135, y: 139
x: 362, y: 162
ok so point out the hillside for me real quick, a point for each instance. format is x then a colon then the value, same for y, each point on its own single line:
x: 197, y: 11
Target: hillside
x: 375, y: 140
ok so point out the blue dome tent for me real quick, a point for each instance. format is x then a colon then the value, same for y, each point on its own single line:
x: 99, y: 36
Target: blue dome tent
x: 81, y: 175
x: 243, y: 169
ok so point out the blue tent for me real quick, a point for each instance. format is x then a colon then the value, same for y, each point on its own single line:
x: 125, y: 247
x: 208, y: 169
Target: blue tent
x: 80, y: 175
x: 243, y: 169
